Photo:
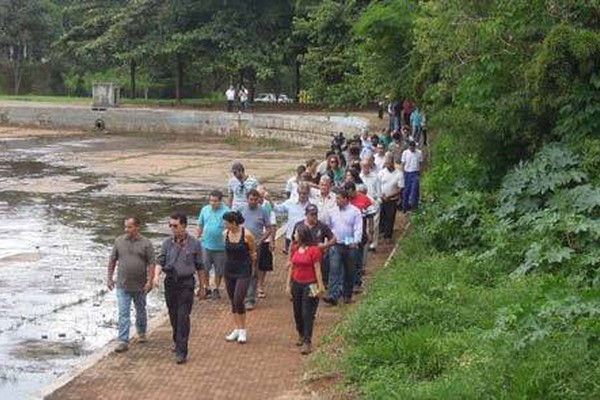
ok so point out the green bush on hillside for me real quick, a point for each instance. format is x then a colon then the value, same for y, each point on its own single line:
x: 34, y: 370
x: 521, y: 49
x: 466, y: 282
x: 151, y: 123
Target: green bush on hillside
x: 492, y: 296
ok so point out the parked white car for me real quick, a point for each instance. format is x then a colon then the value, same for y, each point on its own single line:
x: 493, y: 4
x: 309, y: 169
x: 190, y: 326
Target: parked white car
x: 265, y: 98
x: 283, y: 98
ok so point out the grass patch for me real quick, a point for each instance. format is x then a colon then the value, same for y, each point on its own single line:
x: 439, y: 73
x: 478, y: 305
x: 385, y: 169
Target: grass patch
x: 428, y: 330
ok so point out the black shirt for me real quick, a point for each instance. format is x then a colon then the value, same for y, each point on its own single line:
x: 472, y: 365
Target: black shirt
x: 319, y: 233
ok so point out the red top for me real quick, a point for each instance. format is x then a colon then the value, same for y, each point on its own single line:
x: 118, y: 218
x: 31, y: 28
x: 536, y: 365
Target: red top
x: 361, y: 201
x: 303, y: 264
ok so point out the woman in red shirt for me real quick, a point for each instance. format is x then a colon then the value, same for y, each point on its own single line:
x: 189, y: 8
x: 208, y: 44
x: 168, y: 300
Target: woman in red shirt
x: 305, y: 284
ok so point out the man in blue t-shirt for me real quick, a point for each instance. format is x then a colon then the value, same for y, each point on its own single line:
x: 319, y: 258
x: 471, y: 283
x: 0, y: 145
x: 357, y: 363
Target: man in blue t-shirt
x: 210, y: 232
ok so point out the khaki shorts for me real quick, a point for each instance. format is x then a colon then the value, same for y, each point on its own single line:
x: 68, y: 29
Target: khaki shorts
x: 213, y: 259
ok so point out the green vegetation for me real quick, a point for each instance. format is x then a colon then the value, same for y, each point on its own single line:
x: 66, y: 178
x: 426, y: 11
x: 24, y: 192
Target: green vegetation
x: 495, y: 293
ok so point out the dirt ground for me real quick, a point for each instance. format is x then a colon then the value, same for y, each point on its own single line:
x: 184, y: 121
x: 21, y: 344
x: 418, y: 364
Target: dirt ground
x: 182, y: 166
x: 269, y: 366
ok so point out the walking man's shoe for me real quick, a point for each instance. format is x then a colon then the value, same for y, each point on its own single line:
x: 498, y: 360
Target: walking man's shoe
x: 330, y: 301
x: 306, y: 349
x: 180, y: 359
x: 122, y: 347
x: 142, y: 338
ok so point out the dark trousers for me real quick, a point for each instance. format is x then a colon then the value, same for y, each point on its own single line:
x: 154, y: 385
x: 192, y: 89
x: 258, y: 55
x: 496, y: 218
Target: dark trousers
x: 388, y: 217
x: 410, y: 196
x: 342, y: 260
x: 288, y: 243
x: 236, y: 290
x: 179, y: 295
x: 359, y: 265
x: 305, y: 309
x: 325, y: 269
x: 230, y: 105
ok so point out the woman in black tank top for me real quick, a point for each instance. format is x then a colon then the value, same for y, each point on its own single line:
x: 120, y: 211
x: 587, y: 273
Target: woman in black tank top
x: 240, y: 262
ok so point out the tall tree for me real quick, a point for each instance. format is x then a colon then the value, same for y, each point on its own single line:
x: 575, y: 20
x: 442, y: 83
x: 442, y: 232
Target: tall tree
x: 27, y: 28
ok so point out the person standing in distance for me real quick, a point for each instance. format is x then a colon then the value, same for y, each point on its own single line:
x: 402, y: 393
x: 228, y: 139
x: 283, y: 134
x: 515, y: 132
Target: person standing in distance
x: 180, y: 257
x: 134, y: 255
x: 230, y: 95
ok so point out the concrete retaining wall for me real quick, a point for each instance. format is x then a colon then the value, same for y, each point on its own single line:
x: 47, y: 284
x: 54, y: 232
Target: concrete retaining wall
x: 299, y: 128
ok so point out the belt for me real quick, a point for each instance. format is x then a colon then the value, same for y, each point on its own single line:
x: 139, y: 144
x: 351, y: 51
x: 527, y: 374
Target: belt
x: 173, y: 277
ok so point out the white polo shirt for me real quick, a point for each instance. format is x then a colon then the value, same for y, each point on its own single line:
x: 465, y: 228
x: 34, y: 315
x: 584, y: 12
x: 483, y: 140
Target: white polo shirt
x: 325, y: 205
x: 390, y: 181
x: 412, y: 160
x: 371, y: 181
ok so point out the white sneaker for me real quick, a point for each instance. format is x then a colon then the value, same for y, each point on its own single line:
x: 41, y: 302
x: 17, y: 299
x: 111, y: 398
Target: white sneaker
x: 233, y: 336
x: 241, y: 336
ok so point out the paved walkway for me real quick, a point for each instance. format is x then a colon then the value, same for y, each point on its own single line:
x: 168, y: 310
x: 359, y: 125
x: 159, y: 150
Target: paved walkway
x: 269, y: 366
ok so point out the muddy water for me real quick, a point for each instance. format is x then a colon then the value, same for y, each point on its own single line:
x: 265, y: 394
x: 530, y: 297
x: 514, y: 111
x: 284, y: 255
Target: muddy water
x: 57, y: 224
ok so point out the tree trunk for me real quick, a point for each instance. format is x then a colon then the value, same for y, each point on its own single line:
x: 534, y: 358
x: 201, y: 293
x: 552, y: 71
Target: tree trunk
x: 132, y: 71
x: 17, y: 77
x: 297, y: 73
x: 179, y: 79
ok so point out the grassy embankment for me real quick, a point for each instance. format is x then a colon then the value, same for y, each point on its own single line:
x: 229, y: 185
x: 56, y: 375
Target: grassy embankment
x: 493, y: 294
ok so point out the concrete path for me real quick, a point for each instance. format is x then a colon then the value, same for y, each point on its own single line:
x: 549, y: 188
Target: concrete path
x: 269, y: 366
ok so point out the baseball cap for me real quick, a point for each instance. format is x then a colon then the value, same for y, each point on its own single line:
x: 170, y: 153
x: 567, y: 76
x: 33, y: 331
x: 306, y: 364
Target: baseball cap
x: 311, y: 208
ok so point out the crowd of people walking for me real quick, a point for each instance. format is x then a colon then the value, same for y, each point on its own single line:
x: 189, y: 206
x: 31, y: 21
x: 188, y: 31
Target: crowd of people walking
x: 335, y: 213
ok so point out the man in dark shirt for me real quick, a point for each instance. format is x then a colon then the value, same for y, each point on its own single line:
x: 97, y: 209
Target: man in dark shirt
x: 180, y: 258
x: 321, y: 236
x: 135, y: 258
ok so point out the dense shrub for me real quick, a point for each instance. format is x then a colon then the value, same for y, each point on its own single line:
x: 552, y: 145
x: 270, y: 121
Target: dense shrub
x: 426, y: 331
x: 494, y: 295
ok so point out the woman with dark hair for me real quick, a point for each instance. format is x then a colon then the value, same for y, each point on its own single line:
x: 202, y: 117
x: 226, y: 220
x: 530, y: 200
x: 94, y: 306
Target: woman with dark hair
x: 353, y: 175
x: 240, y: 264
x: 305, y: 284
x: 335, y: 170
x: 311, y: 168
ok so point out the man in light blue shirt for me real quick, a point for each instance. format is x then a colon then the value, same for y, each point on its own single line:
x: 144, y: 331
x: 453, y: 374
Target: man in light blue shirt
x: 346, y: 223
x: 295, y: 210
x: 210, y: 232
x: 258, y: 221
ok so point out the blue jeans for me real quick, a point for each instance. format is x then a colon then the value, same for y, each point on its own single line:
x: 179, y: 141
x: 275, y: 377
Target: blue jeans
x: 410, y: 197
x: 394, y: 123
x: 342, y: 260
x: 124, y: 299
x: 359, y: 267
